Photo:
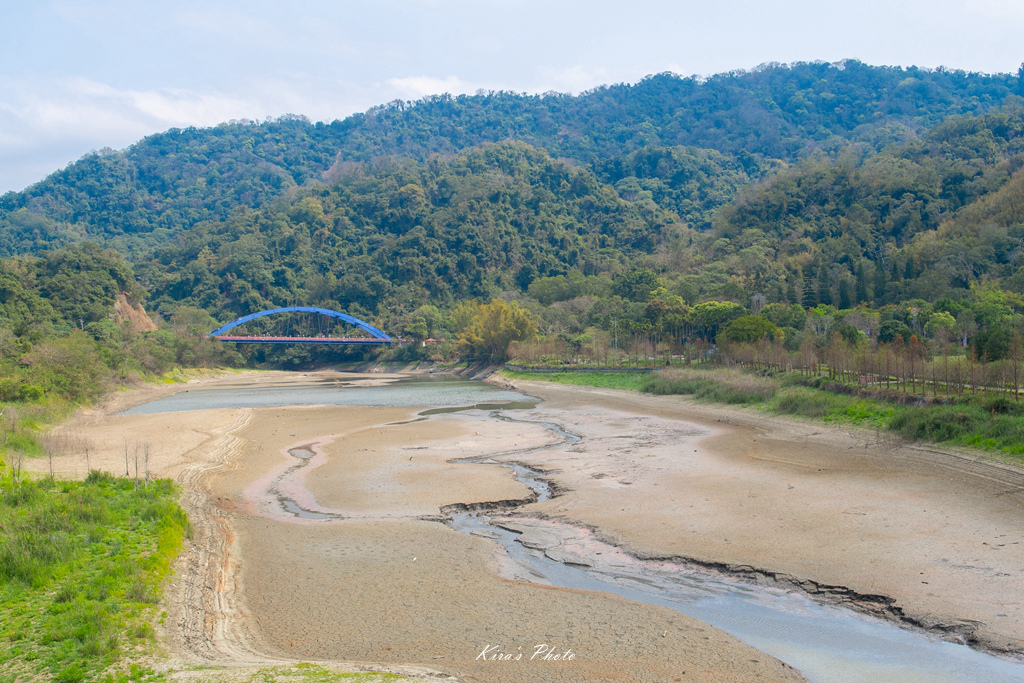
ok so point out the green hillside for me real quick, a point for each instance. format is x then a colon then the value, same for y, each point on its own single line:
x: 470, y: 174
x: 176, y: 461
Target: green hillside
x: 168, y: 182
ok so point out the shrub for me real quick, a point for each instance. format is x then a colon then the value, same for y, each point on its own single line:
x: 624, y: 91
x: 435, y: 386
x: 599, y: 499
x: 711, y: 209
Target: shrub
x: 804, y: 403
x: 936, y: 423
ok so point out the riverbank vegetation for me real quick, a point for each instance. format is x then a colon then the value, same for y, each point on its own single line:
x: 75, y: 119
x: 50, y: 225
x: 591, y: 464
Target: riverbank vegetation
x: 81, y: 571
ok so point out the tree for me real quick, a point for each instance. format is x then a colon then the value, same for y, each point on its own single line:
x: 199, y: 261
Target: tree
x: 862, y: 284
x: 824, y: 285
x: 966, y: 325
x: 711, y: 315
x: 192, y: 321
x: 750, y: 328
x: 880, y: 281
x: 993, y: 343
x: 845, y: 293
x: 489, y: 328
x: 636, y: 284
x: 425, y: 323
x: 891, y: 330
x: 783, y: 315
x: 1015, y: 356
x: 938, y: 322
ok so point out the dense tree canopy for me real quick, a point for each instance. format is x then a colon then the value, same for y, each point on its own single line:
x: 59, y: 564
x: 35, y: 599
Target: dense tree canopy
x: 689, y: 142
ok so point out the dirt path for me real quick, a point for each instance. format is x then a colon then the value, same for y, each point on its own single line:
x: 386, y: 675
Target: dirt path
x: 928, y: 538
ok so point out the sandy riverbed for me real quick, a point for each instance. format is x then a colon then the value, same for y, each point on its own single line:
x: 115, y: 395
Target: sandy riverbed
x: 910, y: 534
x: 898, y: 531
x: 388, y: 586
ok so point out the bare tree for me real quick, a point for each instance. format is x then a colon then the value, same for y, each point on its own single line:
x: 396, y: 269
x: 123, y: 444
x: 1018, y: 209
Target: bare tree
x: 17, y: 458
x: 1016, y: 355
x: 9, y: 429
x: 972, y: 366
x: 61, y: 442
x: 757, y: 302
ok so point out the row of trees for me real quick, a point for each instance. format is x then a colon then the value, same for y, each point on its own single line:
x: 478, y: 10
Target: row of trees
x: 909, y: 367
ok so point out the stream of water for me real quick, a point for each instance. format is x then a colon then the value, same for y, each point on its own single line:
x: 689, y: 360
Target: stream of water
x: 828, y: 644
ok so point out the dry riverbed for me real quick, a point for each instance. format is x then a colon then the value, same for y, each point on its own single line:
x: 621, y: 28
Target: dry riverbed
x: 381, y: 583
x: 388, y: 587
x: 912, y: 536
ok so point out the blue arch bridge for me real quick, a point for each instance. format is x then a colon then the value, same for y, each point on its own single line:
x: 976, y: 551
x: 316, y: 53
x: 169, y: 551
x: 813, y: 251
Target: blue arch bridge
x: 377, y: 337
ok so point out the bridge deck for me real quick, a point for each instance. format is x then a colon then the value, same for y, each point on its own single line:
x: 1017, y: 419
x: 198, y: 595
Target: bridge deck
x: 304, y: 340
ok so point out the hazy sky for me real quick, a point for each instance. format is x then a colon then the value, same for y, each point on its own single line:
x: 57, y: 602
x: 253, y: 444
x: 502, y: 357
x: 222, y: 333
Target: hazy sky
x: 80, y: 75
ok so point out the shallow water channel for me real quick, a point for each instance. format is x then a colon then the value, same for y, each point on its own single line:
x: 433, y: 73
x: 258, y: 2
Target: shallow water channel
x: 826, y: 643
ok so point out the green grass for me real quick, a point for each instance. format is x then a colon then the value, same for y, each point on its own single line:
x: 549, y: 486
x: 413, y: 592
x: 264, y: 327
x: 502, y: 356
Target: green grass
x: 993, y: 424
x: 81, y: 569
x: 832, y: 408
x: 606, y: 380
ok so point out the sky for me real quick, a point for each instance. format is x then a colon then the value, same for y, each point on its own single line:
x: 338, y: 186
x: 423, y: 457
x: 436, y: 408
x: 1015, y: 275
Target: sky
x: 80, y: 75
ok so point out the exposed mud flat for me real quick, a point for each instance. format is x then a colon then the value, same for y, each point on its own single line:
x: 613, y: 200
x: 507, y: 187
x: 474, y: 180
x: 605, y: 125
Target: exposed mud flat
x: 925, y: 540
x: 381, y: 584
x: 376, y: 580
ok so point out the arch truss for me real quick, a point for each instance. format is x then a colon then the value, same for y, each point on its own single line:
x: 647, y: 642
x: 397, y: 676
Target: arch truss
x: 376, y: 336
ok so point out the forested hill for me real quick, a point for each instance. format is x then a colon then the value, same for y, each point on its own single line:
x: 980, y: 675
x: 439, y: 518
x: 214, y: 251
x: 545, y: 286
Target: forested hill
x: 918, y: 220
x: 746, y: 122
x: 383, y: 242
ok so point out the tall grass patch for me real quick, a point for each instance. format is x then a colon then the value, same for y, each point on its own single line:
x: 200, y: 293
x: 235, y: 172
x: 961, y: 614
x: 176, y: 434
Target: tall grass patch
x: 840, y: 408
x: 722, y: 386
x: 81, y: 568
x: 978, y: 426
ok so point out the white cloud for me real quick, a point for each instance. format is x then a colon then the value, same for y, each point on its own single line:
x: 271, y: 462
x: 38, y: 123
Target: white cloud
x: 65, y: 118
x: 82, y: 108
x: 415, y: 87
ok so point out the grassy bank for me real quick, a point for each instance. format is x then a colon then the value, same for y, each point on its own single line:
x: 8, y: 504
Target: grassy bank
x: 605, y: 380
x: 994, y: 424
x: 81, y: 568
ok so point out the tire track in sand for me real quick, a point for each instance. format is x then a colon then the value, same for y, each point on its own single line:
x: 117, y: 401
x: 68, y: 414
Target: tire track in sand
x: 205, y: 609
